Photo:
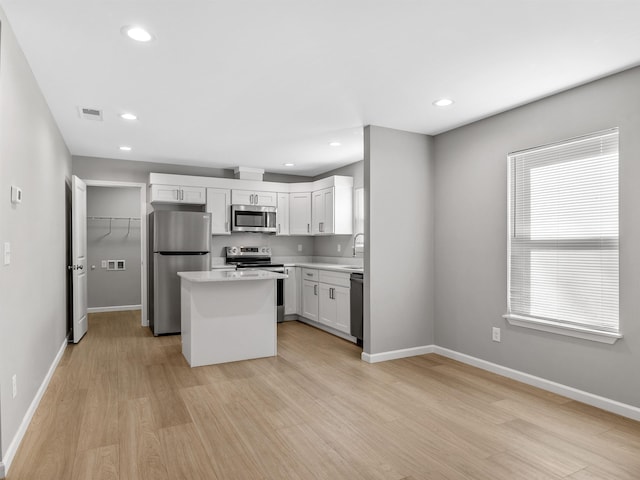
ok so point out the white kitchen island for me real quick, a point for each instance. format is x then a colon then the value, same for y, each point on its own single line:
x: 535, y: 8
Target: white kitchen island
x: 228, y: 315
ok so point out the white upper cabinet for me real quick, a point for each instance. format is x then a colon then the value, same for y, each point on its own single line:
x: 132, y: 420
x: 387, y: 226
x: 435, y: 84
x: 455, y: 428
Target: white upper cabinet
x: 219, y: 206
x: 300, y: 213
x: 282, y: 215
x: 248, y: 197
x: 333, y: 211
x: 178, y: 194
x: 322, y: 212
x: 321, y: 207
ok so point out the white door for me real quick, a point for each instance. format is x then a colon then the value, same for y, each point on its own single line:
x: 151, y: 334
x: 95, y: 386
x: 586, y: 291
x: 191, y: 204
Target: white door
x: 79, y: 255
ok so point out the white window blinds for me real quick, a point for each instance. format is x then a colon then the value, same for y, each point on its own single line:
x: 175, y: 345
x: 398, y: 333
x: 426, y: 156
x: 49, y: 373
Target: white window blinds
x: 563, y: 233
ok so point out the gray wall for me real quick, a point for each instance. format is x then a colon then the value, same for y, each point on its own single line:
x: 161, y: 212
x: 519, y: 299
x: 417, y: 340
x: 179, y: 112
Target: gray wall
x: 110, y: 288
x: 399, y: 309
x: 328, y: 246
x: 33, y: 288
x: 92, y: 168
x: 471, y: 238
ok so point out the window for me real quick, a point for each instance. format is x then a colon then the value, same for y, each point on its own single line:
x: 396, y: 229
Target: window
x: 563, y: 237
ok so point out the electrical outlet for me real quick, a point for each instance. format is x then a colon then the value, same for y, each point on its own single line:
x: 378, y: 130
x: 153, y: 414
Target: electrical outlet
x: 339, y: 248
x: 495, y: 333
x: 299, y: 247
x: 14, y: 383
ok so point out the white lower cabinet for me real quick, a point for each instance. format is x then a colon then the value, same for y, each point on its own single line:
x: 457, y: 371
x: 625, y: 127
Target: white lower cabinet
x: 310, y: 299
x: 334, y: 309
x: 326, y: 298
x: 291, y: 291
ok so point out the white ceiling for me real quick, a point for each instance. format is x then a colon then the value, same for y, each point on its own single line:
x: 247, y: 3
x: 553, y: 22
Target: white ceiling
x: 260, y: 83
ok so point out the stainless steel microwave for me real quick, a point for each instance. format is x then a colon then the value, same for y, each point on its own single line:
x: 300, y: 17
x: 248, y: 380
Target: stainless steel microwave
x: 253, y: 218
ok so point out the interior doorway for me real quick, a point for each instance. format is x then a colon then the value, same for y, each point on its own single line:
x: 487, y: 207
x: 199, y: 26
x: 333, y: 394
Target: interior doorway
x: 116, y: 223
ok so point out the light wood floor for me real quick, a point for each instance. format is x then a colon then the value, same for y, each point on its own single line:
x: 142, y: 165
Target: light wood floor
x: 125, y: 405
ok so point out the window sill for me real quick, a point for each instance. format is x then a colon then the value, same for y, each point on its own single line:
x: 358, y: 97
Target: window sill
x: 562, y: 329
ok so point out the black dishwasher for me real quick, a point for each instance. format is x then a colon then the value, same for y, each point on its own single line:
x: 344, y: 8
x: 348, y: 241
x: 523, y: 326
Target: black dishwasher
x: 357, y: 280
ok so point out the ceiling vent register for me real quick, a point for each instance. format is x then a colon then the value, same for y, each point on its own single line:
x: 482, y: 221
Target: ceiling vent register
x: 90, y: 113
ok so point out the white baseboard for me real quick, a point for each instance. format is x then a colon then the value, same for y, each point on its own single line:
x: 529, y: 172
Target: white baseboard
x: 395, y: 354
x: 607, y: 404
x: 117, y: 308
x: 604, y: 403
x: 15, y: 443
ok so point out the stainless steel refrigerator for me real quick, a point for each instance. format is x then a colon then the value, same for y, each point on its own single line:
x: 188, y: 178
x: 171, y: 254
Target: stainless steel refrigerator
x: 178, y: 242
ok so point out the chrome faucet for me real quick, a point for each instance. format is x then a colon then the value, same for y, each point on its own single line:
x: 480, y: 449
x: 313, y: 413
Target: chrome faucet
x: 355, y: 239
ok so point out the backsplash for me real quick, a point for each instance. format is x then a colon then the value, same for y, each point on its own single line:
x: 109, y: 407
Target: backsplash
x: 280, y: 246
x: 286, y: 249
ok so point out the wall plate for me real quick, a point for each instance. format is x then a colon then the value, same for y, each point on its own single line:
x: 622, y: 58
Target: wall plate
x: 16, y: 194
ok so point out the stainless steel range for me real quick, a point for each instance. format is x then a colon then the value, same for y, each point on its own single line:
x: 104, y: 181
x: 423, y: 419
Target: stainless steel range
x: 258, y: 258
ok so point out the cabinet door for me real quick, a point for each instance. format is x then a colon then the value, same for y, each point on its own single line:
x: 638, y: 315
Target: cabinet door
x: 282, y: 215
x: 300, y: 214
x: 342, y: 300
x: 242, y: 197
x: 310, y: 300
x: 193, y: 195
x: 249, y: 197
x: 165, y: 193
x: 328, y: 205
x: 266, y: 199
x: 219, y: 206
x: 317, y: 213
x: 327, y: 306
x: 291, y: 291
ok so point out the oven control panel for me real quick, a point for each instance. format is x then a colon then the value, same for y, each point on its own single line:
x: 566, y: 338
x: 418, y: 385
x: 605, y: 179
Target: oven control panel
x: 250, y: 251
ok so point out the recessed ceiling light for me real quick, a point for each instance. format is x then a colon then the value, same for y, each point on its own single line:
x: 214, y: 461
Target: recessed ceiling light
x: 289, y: 164
x: 335, y: 144
x: 138, y: 34
x: 443, y: 102
x: 125, y: 148
x: 128, y: 116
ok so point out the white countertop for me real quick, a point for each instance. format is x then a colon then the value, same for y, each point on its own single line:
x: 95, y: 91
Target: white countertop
x: 230, y: 276
x: 328, y: 266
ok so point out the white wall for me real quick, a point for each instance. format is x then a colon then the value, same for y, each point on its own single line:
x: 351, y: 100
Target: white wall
x: 33, y: 288
x: 471, y: 238
x: 398, y: 173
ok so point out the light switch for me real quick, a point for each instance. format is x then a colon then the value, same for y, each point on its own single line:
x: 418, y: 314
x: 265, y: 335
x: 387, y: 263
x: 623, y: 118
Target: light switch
x: 104, y: 264
x: 7, y: 253
x: 16, y: 194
